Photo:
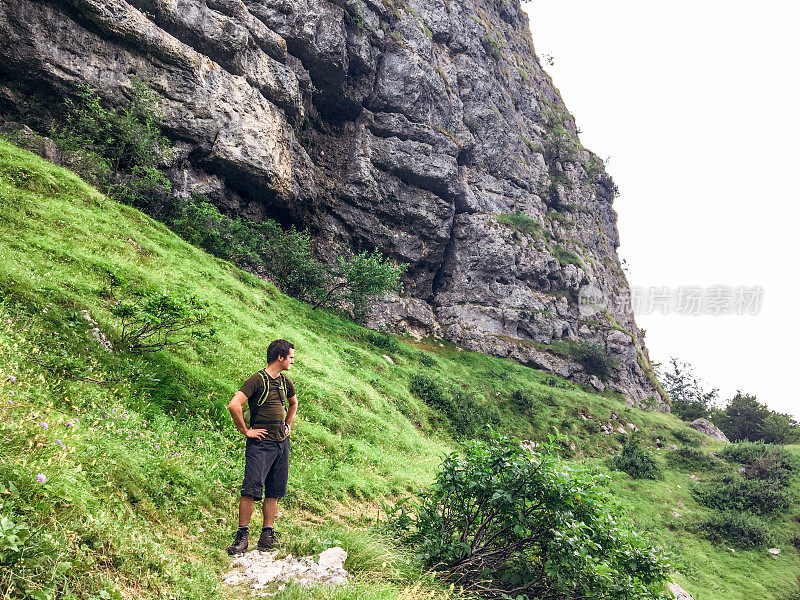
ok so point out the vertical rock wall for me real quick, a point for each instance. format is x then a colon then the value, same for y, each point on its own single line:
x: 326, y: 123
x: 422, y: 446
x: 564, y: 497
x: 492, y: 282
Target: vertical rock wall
x: 427, y: 129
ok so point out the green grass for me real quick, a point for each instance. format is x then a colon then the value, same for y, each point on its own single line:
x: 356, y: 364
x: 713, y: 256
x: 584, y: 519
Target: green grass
x: 142, y: 485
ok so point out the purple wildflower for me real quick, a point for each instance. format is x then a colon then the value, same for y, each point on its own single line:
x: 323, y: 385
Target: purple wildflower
x: 60, y: 443
x: 12, y: 379
x: 11, y: 393
x: 44, y: 425
x: 41, y: 477
x: 69, y: 424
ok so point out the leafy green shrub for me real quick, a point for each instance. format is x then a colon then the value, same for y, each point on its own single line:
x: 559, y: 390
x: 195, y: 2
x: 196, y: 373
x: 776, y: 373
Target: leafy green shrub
x: 687, y: 437
x: 636, y: 461
x: 522, y: 400
x: 123, y: 150
x: 285, y: 254
x: 469, y: 418
x: 692, y: 458
x: 594, y: 359
x: 506, y: 523
x: 688, y: 399
x: 739, y: 529
x: 425, y: 359
x: 735, y: 492
x: 155, y: 319
x: 360, y: 277
x: 745, y: 418
x: 761, y: 460
x: 428, y: 389
x: 384, y: 341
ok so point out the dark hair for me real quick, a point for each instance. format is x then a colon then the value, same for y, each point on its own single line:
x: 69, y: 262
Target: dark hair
x: 277, y: 349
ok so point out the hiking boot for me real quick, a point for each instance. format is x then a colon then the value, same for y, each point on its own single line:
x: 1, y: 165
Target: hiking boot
x: 239, y: 545
x: 267, y: 539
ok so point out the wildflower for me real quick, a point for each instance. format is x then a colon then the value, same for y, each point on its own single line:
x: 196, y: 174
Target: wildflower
x: 60, y: 443
x: 11, y: 393
x: 9, y: 401
x: 12, y: 379
x: 41, y: 477
x: 68, y: 424
x: 44, y: 425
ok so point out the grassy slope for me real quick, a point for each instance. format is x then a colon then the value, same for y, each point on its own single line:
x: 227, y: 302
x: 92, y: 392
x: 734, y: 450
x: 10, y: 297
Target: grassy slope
x: 140, y: 495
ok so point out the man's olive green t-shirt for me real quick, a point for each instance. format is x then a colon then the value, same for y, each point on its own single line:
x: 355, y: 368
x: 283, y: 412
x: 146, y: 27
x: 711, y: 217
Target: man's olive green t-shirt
x: 266, y: 407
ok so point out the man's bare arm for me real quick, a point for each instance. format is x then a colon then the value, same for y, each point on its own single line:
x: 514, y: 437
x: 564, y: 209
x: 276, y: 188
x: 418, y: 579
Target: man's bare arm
x: 291, y: 411
x: 237, y: 414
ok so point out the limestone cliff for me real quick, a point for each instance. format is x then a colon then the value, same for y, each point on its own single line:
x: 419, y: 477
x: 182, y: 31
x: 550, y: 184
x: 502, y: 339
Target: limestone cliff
x: 426, y: 128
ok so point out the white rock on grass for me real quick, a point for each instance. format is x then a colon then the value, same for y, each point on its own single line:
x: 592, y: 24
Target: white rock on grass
x: 259, y: 569
x: 679, y: 592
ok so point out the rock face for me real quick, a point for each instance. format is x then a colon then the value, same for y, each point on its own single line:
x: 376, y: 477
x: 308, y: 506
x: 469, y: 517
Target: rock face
x: 427, y: 129
x: 711, y: 430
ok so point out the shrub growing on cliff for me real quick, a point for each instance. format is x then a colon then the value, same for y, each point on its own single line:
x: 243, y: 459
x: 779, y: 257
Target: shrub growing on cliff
x: 594, y: 359
x: 360, y: 277
x: 126, y: 146
x: 507, y: 523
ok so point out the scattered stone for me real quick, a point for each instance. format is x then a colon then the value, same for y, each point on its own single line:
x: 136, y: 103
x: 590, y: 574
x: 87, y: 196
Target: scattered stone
x: 260, y: 569
x: 596, y: 383
x: 222, y: 521
x: 679, y: 592
x: 621, y: 429
x: 136, y: 246
x: 607, y: 428
x: 691, y: 476
x: 708, y: 428
x: 332, y: 558
x: 774, y: 551
x: 388, y: 358
x: 672, y: 447
x: 676, y: 514
x: 731, y: 550
x: 98, y: 335
x: 632, y: 426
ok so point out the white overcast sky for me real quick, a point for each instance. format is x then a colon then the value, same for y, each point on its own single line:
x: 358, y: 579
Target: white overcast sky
x: 697, y: 104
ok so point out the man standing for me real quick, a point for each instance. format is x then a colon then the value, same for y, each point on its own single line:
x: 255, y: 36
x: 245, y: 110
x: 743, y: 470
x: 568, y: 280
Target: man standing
x: 273, y: 404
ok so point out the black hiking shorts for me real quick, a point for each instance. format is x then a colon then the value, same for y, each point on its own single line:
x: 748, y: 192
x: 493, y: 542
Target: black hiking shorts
x: 266, y: 467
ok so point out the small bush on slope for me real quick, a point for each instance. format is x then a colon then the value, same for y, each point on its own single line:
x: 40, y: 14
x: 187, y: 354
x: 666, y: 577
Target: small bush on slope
x: 506, y: 523
x: 636, y: 461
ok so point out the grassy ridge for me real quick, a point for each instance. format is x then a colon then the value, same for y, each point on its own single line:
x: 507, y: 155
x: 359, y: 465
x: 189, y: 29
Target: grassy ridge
x: 142, y: 469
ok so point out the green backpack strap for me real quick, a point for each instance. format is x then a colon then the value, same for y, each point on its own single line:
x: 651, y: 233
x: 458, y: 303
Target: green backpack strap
x: 282, y: 390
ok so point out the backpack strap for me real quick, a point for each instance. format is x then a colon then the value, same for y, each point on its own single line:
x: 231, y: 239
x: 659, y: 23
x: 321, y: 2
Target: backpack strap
x: 281, y: 389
